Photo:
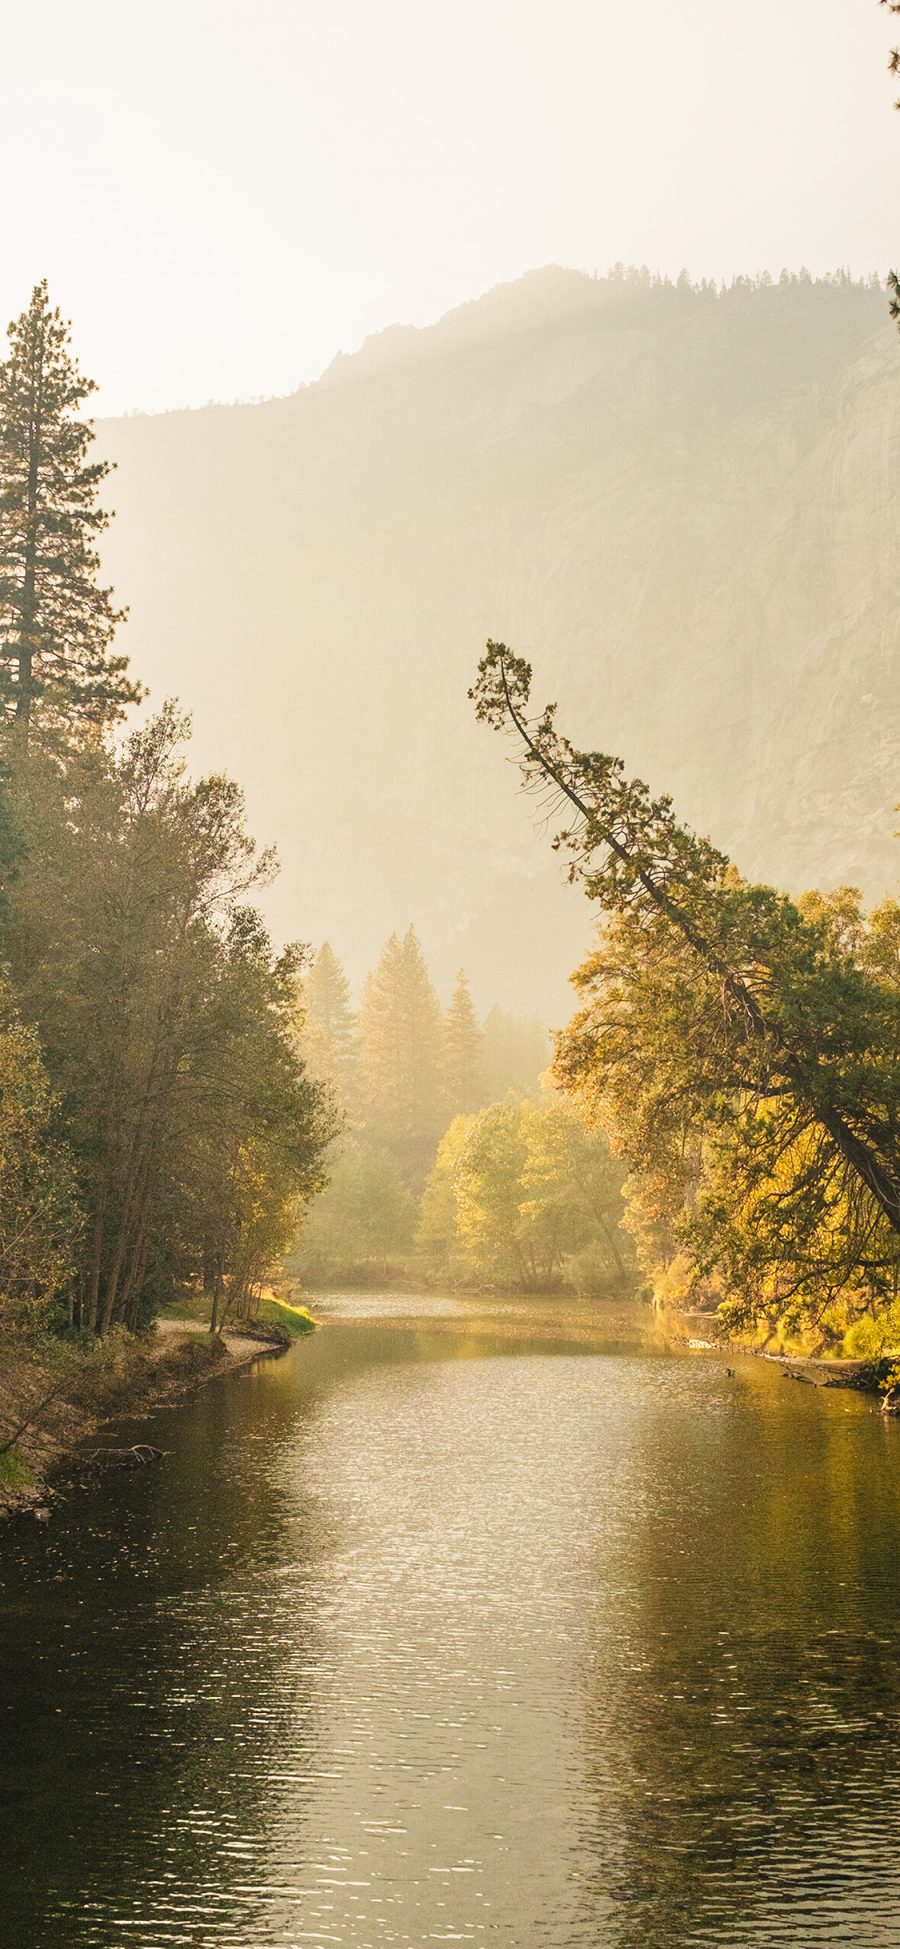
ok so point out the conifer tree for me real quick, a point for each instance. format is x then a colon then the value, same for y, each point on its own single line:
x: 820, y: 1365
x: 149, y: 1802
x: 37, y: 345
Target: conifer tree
x: 462, y: 1052
x: 56, y: 622
x: 400, y: 1055
x: 330, y: 1029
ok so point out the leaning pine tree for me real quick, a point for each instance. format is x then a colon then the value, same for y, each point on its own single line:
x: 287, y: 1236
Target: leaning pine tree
x: 56, y: 622
x: 730, y: 1019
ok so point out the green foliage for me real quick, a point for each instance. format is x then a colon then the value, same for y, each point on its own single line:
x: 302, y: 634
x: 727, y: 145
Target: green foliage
x: 169, y: 1026
x: 873, y: 1336
x: 39, y: 1216
x: 437, y: 1233
x: 15, y: 1472
x: 157, y: 1121
x: 298, y: 1321
x: 488, y: 1187
x: 56, y: 623
x: 523, y: 1195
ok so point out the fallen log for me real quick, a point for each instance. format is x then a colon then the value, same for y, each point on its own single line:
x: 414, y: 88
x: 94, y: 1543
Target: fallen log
x: 141, y: 1454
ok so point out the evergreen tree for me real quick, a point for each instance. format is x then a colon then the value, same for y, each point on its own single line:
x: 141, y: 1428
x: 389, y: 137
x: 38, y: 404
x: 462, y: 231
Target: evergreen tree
x: 56, y: 623
x: 329, y: 1033
x: 462, y: 1052
x: 400, y: 1056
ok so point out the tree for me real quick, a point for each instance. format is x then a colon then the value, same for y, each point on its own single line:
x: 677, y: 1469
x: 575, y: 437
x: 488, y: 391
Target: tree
x: 488, y: 1184
x: 437, y: 1232
x: 461, y: 1053
x: 329, y: 1029
x: 169, y: 1026
x: 364, y: 1219
x: 39, y: 1216
x: 716, y: 1006
x: 571, y: 1201
x: 56, y: 622
x: 253, y: 1128
x: 400, y: 1056
x: 517, y: 1192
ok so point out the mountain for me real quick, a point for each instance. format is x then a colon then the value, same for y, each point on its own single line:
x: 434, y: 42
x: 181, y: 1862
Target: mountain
x: 681, y: 504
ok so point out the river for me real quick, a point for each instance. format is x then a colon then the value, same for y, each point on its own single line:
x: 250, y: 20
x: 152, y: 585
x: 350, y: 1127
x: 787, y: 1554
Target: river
x: 510, y: 1626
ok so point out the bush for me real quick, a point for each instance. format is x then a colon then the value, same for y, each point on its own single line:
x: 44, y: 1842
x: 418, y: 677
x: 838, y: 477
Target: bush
x: 874, y: 1334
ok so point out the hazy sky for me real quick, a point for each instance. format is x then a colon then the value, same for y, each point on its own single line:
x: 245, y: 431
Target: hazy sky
x: 223, y: 193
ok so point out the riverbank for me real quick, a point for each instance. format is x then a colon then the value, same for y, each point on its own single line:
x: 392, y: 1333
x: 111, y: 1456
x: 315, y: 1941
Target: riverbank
x: 865, y: 1375
x: 133, y: 1375
x: 838, y: 1370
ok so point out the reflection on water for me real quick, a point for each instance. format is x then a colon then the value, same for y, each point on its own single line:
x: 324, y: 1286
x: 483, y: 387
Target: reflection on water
x: 511, y: 1627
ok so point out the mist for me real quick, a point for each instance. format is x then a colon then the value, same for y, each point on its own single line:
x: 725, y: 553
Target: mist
x: 661, y: 495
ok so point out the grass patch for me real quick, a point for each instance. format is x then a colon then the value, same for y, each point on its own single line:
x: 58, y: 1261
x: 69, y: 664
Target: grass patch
x: 296, y: 1320
x: 14, y: 1471
x: 187, y: 1305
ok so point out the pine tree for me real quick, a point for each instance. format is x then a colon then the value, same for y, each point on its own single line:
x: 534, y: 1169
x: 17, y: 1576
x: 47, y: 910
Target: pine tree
x: 56, y: 623
x: 329, y: 1034
x: 400, y: 1051
x: 462, y: 1052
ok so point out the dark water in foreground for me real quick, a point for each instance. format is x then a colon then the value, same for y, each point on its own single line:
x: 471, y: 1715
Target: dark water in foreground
x: 465, y: 1630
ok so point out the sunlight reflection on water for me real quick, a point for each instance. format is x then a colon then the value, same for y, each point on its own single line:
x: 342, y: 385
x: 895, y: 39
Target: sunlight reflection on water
x: 466, y: 1623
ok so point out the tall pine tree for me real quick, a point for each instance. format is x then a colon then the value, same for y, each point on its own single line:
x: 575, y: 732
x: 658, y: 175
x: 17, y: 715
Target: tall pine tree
x: 462, y: 1052
x: 400, y: 1056
x: 56, y: 622
x: 329, y: 1034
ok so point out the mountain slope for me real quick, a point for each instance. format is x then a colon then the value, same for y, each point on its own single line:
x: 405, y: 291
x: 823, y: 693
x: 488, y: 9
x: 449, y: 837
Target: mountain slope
x: 682, y: 506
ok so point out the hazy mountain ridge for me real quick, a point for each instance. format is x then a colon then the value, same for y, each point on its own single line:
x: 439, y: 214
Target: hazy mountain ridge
x: 682, y: 505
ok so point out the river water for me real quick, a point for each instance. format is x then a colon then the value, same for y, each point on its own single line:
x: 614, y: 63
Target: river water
x: 511, y: 1627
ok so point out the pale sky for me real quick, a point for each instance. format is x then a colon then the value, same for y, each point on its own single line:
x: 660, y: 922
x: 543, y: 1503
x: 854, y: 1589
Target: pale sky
x: 224, y: 193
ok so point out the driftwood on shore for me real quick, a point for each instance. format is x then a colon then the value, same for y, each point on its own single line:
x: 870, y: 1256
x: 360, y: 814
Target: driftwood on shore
x: 141, y: 1454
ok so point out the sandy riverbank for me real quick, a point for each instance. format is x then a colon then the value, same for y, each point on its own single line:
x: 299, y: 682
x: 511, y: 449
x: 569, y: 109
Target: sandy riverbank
x: 139, y: 1375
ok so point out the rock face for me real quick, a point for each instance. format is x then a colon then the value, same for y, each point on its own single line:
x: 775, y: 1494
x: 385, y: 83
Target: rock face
x: 683, y: 507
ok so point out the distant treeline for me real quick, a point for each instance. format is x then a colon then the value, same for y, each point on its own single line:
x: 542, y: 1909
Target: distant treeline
x: 401, y: 1065
x: 457, y: 1161
x: 642, y: 279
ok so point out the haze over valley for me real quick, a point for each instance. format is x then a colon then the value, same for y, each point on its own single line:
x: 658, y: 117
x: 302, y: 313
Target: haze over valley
x: 680, y: 503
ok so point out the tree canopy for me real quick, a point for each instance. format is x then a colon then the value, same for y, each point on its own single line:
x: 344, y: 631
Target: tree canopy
x: 57, y: 622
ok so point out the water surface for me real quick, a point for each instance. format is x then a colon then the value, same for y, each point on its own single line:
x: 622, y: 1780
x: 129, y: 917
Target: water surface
x: 514, y: 1627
